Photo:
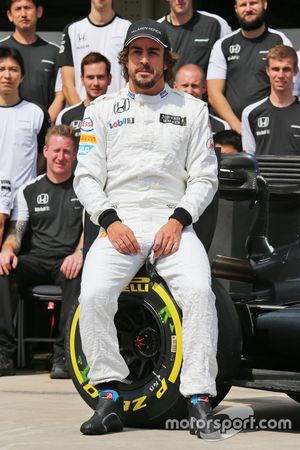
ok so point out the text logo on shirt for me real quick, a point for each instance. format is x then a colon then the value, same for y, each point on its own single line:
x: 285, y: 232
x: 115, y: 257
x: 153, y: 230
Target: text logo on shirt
x: 120, y: 122
x: 122, y: 106
x: 87, y: 125
x: 42, y: 199
x: 263, y: 122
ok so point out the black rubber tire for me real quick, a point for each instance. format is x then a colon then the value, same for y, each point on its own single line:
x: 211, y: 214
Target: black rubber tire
x: 148, y: 315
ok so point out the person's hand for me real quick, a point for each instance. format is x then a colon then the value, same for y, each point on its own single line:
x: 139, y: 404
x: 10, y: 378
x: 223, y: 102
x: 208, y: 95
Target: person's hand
x: 72, y: 265
x: 8, y: 261
x: 123, y: 238
x: 167, y: 239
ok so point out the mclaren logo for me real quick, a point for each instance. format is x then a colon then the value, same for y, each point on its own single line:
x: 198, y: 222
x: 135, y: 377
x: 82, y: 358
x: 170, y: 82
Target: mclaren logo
x: 42, y: 199
x: 122, y: 106
x: 234, y: 49
x: 263, y: 122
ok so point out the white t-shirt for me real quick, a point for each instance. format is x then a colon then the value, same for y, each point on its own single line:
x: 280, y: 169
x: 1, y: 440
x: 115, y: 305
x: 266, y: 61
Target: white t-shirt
x: 83, y: 37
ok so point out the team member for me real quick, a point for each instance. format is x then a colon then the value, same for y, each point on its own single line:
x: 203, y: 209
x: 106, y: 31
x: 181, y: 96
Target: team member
x: 23, y: 125
x: 39, y: 56
x: 191, y: 79
x: 103, y: 31
x: 229, y: 141
x: 49, y: 209
x: 271, y: 126
x: 297, y: 78
x: 146, y: 170
x: 236, y: 73
x: 95, y: 77
x: 192, y: 33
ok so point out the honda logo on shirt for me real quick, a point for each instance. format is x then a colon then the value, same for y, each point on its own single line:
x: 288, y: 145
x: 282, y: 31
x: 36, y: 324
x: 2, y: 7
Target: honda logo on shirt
x: 263, y: 122
x: 42, y: 199
x: 235, y: 48
x: 122, y: 106
x: 81, y: 37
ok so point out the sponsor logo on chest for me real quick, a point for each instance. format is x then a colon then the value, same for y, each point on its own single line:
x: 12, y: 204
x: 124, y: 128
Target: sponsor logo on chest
x: 174, y: 120
x: 234, y: 52
x: 42, y: 199
x: 121, y: 122
x: 263, y: 123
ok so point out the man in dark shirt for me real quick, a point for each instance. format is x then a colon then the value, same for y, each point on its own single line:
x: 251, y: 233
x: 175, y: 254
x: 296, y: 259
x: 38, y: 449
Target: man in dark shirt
x: 40, y: 56
x: 95, y: 77
x: 50, y: 210
x: 192, y: 33
x: 236, y: 74
x: 272, y: 125
x: 191, y: 79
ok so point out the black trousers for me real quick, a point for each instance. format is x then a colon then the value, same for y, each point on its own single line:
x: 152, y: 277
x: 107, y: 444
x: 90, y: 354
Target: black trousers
x: 32, y: 270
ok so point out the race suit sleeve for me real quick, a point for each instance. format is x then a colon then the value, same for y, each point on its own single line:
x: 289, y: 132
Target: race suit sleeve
x: 91, y: 170
x: 65, y: 56
x: 201, y: 167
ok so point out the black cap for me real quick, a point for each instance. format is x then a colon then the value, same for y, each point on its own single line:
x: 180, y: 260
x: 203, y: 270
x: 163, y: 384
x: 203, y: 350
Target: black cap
x: 147, y: 28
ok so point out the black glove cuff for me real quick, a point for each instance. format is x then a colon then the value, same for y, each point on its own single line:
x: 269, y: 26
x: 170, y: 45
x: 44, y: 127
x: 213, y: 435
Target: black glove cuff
x: 183, y: 216
x: 108, y: 217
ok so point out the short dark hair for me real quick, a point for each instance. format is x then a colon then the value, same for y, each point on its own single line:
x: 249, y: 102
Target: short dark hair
x: 93, y: 58
x: 169, y: 57
x: 229, y: 137
x: 11, y: 52
x: 9, y: 3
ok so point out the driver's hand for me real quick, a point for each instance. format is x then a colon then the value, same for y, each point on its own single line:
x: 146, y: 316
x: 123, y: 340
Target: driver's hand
x: 123, y: 238
x: 167, y: 239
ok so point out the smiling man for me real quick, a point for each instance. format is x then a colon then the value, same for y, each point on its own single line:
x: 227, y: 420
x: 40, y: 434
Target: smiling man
x: 49, y: 209
x: 236, y: 74
x: 272, y: 126
x: 146, y: 171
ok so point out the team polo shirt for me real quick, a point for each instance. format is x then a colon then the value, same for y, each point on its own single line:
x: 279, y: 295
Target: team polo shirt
x: 83, y: 37
x: 40, y: 63
x: 269, y: 130
x: 72, y: 116
x: 194, y: 40
x: 22, y: 135
x: 217, y: 124
x: 54, y: 214
x: 241, y: 62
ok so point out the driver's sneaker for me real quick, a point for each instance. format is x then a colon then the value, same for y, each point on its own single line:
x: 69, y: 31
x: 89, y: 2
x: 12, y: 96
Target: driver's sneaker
x: 201, y: 418
x: 6, y: 365
x: 108, y: 414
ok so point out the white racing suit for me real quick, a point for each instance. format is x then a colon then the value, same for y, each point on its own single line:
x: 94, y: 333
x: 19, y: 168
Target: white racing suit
x: 144, y: 156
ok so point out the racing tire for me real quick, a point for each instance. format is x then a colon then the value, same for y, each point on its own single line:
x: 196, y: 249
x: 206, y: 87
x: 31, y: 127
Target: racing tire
x: 148, y: 322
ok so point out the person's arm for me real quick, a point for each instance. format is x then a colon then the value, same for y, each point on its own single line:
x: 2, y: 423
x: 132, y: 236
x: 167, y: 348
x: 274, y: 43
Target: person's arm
x: 11, y: 246
x: 220, y: 105
x: 3, y: 218
x: 202, y: 182
x: 68, y: 79
x: 89, y: 182
x: 72, y: 264
x: 45, y: 123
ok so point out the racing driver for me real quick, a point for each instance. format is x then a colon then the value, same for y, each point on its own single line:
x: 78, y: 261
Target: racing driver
x: 146, y: 171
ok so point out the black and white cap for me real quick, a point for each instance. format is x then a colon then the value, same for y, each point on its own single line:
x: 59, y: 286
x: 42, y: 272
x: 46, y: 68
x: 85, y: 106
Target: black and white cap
x: 147, y: 28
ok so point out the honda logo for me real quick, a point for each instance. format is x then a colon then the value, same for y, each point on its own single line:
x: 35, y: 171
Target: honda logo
x: 235, y: 48
x: 42, y: 199
x: 263, y: 122
x: 122, y: 106
x: 81, y: 37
